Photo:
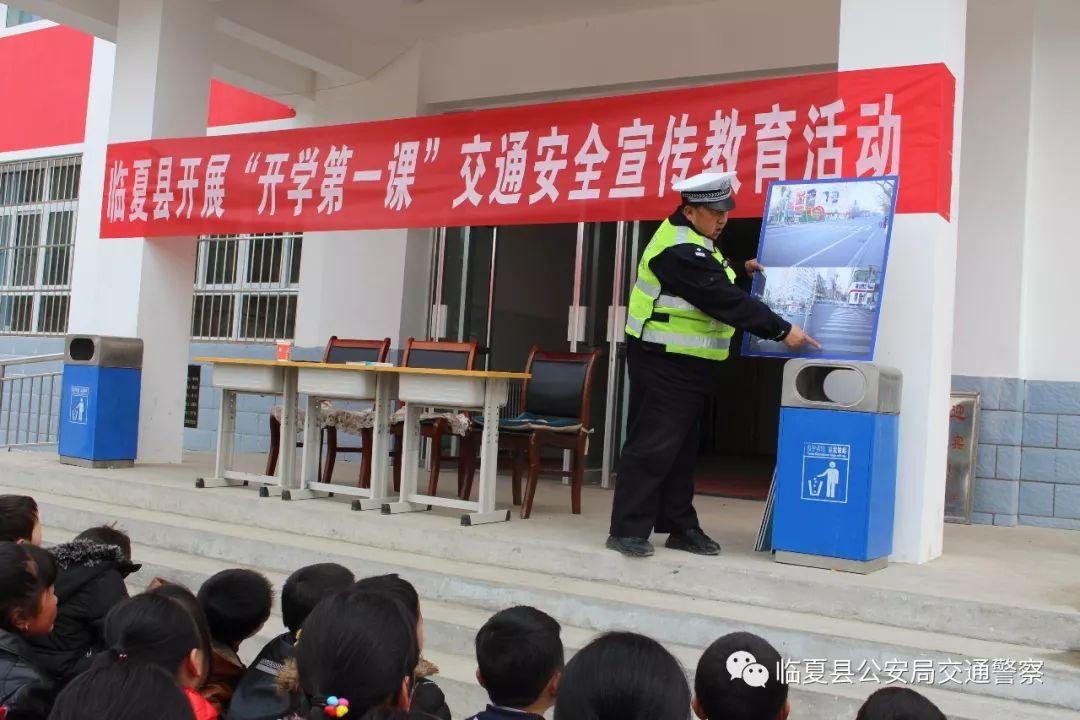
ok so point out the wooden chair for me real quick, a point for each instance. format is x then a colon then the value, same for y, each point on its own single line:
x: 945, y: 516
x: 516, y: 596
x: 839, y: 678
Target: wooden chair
x: 438, y: 354
x: 556, y: 401
x: 338, y: 350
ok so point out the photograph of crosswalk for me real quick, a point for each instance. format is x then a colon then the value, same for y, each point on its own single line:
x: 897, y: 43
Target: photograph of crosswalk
x: 825, y: 246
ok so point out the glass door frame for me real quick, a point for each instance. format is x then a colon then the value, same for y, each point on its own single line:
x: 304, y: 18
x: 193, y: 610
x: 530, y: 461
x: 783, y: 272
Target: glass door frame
x: 617, y: 390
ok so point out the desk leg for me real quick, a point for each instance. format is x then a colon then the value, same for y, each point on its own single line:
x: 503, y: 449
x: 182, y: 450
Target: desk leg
x: 286, y: 476
x: 226, y: 436
x: 494, y: 398
x: 410, y: 457
x: 381, y: 439
x: 309, y: 458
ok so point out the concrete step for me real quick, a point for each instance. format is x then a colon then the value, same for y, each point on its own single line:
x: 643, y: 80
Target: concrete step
x: 451, y: 628
x: 731, y: 579
x: 458, y: 596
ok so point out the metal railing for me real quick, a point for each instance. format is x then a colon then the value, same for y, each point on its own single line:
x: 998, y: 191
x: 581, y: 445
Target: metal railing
x: 29, y: 402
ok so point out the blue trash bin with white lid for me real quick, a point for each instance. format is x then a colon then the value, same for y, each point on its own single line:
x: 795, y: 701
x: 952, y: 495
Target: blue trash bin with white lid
x: 836, y: 464
x: 99, y: 402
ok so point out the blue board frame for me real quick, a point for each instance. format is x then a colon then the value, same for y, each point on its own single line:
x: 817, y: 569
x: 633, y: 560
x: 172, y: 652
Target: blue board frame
x: 751, y: 346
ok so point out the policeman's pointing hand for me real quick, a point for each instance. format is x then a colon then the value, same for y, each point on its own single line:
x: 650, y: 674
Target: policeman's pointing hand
x: 797, y: 337
x: 753, y: 266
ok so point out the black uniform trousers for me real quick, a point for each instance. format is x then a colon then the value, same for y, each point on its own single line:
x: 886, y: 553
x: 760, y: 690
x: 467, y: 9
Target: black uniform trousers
x: 655, y: 485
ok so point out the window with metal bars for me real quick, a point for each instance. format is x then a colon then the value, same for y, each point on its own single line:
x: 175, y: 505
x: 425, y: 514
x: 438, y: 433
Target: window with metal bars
x: 39, y: 200
x: 246, y: 287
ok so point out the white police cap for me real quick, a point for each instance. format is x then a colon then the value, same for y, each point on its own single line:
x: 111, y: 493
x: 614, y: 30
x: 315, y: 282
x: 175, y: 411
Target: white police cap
x: 711, y: 189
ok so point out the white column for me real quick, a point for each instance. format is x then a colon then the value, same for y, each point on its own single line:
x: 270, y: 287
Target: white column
x: 363, y: 283
x: 917, y: 311
x: 142, y: 287
x: 990, y: 258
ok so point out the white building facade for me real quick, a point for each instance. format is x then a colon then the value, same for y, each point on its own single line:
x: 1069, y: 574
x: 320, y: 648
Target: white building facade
x: 977, y: 301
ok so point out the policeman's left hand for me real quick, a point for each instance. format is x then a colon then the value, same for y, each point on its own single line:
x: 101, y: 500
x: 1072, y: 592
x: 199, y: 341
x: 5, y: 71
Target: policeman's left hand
x: 753, y: 266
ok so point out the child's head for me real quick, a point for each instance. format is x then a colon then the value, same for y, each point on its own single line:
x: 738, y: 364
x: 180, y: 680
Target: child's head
x: 307, y: 587
x: 898, y: 703
x: 395, y: 714
x: 237, y: 604
x: 19, y: 519
x: 737, y: 679
x: 190, y: 603
x: 623, y: 676
x: 519, y: 656
x: 359, y: 646
x: 153, y: 629
x: 402, y: 590
x: 108, y: 535
x: 27, y: 601
x: 124, y: 691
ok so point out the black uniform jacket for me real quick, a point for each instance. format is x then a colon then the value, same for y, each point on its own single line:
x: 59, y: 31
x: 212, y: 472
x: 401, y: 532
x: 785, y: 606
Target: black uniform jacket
x: 699, y: 280
x: 696, y: 277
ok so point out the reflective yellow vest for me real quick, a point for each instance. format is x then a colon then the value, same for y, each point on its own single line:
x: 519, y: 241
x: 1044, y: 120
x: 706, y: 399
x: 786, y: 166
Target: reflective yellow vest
x: 687, y: 330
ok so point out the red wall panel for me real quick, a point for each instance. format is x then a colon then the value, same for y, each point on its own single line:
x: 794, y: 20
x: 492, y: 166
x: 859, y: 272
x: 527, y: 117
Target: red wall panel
x: 230, y: 105
x: 44, y: 84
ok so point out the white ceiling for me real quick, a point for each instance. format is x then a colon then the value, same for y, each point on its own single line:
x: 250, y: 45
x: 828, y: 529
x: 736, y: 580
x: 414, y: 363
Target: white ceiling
x: 332, y: 41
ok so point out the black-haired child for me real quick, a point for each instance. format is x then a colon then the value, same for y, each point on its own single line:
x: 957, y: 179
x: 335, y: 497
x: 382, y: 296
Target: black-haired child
x: 237, y: 604
x: 623, y: 676
x: 257, y: 696
x: 427, y: 696
x: 898, y: 703
x: 124, y: 691
x: 90, y: 581
x: 519, y: 657
x: 27, y: 610
x: 738, y: 678
x: 357, y: 648
x: 19, y: 520
x: 154, y: 629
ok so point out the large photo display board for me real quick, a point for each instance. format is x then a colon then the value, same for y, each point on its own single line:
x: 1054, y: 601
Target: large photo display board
x: 825, y: 245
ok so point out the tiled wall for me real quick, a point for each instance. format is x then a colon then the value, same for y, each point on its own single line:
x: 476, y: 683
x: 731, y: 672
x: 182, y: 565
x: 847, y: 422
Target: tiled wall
x: 252, y: 411
x: 1028, y: 468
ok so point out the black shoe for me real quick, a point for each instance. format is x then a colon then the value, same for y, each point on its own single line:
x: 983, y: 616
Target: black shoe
x: 693, y: 540
x: 630, y: 546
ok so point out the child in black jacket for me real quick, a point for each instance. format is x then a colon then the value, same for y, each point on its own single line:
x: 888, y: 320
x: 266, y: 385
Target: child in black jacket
x: 89, y: 582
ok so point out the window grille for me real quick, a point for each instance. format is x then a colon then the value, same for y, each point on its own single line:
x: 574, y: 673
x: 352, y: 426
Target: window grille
x: 39, y: 202
x: 246, y: 287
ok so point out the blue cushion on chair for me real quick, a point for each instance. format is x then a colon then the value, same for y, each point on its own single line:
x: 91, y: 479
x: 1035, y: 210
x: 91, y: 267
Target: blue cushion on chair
x: 527, y: 422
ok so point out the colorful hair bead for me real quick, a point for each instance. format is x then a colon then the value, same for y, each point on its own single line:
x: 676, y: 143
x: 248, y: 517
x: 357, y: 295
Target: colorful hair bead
x: 336, y: 707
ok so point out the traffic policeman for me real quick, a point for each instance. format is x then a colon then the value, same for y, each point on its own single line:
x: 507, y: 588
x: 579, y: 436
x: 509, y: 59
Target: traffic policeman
x: 683, y: 310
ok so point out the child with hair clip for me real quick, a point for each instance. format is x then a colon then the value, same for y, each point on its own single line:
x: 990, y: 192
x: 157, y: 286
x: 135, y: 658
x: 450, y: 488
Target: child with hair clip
x: 427, y: 696
x: 257, y: 696
x: 153, y: 629
x: 357, y: 651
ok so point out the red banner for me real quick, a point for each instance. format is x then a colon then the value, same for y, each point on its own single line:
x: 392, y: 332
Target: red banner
x: 611, y: 158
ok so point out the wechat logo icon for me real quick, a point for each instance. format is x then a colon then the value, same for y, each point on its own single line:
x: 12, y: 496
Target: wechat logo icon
x: 742, y: 665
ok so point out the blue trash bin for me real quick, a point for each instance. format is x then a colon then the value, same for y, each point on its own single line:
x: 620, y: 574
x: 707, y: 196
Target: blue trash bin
x: 99, y: 402
x: 836, y: 465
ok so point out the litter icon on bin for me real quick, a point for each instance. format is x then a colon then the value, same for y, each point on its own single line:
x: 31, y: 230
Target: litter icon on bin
x: 825, y: 472
x: 80, y: 398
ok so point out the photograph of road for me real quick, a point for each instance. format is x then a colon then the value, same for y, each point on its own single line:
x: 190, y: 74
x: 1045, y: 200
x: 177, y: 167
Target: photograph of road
x: 824, y: 245
x: 836, y: 305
